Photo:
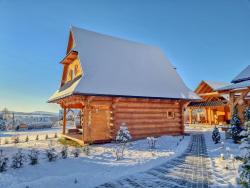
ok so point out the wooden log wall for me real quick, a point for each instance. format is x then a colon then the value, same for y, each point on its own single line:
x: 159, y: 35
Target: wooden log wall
x: 148, y: 117
x: 144, y: 117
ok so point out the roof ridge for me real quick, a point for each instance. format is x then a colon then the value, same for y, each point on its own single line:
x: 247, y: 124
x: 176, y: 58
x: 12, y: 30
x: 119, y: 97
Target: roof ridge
x: 116, y: 37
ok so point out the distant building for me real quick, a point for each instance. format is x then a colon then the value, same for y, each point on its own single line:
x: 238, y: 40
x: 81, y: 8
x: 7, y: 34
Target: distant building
x: 34, y: 120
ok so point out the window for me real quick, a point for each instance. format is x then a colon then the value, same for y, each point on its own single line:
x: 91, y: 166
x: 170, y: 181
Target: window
x: 70, y: 74
x: 76, y: 69
x: 73, y: 74
x: 170, y: 114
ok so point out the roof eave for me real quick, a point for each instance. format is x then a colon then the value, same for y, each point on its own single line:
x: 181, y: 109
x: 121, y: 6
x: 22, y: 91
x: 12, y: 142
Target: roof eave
x: 240, y: 80
x: 112, y: 95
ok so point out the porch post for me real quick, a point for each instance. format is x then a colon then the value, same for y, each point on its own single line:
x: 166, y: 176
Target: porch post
x: 82, y: 122
x: 206, y: 116
x: 212, y: 115
x: 86, y: 131
x: 190, y: 115
x: 64, y: 120
x: 231, y: 103
x: 209, y: 116
x: 183, y: 105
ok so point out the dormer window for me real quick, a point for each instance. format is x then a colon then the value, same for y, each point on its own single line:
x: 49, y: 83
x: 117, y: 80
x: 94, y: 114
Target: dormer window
x: 76, y: 69
x: 73, y: 74
x: 70, y: 74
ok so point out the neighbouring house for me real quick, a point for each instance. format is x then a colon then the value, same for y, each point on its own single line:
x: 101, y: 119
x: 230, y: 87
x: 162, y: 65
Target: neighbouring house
x: 113, y: 82
x: 238, y: 91
x: 213, y: 109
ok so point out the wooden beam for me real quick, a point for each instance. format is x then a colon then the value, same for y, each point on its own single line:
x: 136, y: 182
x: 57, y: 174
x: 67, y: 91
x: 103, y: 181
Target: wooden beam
x: 241, y: 97
x: 64, y: 120
x: 209, y: 116
x: 183, y: 106
x: 190, y: 115
x: 214, y: 94
x: 82, y: 123
x: 87, y: 121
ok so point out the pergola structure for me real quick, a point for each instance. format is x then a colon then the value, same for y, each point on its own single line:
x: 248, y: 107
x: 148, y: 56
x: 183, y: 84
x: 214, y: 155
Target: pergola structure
x: 213, y: 107
x: 238, y: 92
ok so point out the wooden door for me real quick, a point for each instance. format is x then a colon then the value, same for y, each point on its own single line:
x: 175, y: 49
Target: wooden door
x: 100, y: 125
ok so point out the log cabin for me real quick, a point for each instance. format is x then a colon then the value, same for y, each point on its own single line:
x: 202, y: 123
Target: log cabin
x: 239, y: 92
x: 213, y: 109
x: 113, y: 81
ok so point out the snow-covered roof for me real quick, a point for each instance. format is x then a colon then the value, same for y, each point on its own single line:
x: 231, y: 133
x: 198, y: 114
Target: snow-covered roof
x: 241, y: 81
x: 239, y: 85
x: 118, y: 67
x: 243, y: 76
x: 215, y: 85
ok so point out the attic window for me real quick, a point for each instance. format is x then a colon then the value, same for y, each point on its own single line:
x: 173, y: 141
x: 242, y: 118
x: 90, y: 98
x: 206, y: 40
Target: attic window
x: 71, y: 76
x: 73, y: 73
x: 170, y: 115
x: 76, y: 69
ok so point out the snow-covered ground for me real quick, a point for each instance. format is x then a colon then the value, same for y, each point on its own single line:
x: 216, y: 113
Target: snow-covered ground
x: 100, y: 165
x: 88, y: 171
x: 224, y: 171
x: 31, y: 132
x: 9, y: 136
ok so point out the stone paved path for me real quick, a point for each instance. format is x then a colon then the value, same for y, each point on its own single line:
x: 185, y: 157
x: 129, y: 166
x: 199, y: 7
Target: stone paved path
x: 191, y: 169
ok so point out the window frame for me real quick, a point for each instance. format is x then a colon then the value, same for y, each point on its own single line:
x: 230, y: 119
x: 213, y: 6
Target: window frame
x: 170, y: 114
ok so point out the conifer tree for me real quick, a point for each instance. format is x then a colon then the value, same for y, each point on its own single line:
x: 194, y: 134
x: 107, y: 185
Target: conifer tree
x: 216, y: 135
x: 245, y: 152
x: 235, y: 126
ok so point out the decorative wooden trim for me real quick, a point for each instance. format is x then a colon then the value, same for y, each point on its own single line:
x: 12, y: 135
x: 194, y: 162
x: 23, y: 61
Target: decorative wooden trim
x: 214, y: 94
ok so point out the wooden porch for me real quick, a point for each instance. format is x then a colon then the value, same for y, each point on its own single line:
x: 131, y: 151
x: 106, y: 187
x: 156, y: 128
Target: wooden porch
x: 75, y: 137
x: 95, y: 119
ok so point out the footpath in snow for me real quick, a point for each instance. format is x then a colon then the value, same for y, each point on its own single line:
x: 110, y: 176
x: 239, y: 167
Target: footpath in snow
x: 224, y: 172
x: 189, y: 170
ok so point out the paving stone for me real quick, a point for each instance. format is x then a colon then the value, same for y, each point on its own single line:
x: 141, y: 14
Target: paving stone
x: 191, y: 169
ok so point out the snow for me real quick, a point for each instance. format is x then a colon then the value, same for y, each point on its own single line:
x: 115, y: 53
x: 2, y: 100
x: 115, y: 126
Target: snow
x: 101, y: 166
x: 223, y: 177
x: 243, y: 75
x: 33, y: 132
x: 140, y: 70
x: 98, y: 167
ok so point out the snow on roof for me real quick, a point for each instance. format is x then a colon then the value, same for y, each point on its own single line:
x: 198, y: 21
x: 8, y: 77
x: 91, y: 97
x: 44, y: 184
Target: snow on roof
x: 66, y: 90
x: 244, y: 75
x: 215, y: 85
x: 118, y: 67
x: 239, y: 85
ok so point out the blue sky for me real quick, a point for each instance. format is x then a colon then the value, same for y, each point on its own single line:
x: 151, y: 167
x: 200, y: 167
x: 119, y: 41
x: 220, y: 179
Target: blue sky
x: 204, y: 39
